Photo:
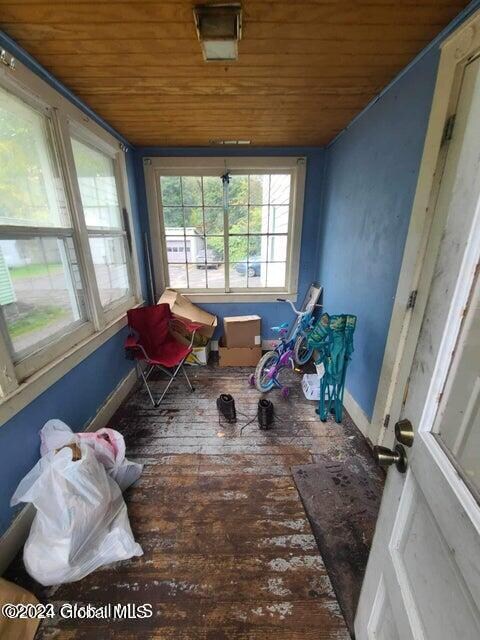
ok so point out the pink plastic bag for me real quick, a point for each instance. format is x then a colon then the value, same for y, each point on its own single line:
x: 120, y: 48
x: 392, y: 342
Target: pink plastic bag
x: 107, y: 444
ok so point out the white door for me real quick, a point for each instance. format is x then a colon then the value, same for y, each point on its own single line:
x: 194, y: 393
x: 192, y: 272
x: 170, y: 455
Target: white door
x: 423, y: 574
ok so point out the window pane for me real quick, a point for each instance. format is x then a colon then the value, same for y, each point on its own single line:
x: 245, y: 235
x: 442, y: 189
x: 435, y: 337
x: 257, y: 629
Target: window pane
x: 238, y: 219
x: 279, y: 189
x: 215, y: 249
x: 238, y: 274
x: 212, y: 191
x: 277, y: 248
x: 458, y: 417
x: 213, y: 254
x: 40, y: 290
x: 173, y: 219
x: 213, y: 220
x: 259, y: 189
x: 238, y: 190
x: 31, y: 192
x: 197, y: 278
x: 258, y: 219
x: 462, y: 437
x: 255, y: 248
x: 256, y: 273
x: 216, y: 276
x: 238, y: 248
x: 194, y: 246
x: 194, y: 219
x: 177, y: 276
x: 111, y: 271
x: 178, y: 220
x: 192, y: 190
x: 278, y: 220
x: 171, y: 191
x: 176, y: 249
x: 258, y: 206
x: 98, y: 189
x: 276, y: 274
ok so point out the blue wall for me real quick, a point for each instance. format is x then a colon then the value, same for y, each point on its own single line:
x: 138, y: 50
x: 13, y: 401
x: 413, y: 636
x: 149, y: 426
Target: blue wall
x: 77, y: 396
x: 354, y: 247
x: 271, y: 312
x: 371, y: 176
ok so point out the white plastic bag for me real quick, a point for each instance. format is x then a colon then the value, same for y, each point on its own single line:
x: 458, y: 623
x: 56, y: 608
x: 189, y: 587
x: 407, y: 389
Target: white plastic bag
x: 55, y: 434
x: 81, y: 521
x: 107, y: 444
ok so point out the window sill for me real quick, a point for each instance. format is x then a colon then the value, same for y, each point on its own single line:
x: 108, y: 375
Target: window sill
x: 43, y: 379
x: 223, y: 298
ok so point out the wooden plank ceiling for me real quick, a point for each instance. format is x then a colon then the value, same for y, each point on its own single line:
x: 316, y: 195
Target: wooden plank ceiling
x: 305, y: 69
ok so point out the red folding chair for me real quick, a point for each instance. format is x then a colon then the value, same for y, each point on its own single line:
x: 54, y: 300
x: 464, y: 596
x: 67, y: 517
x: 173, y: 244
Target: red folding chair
x: 151, y: 342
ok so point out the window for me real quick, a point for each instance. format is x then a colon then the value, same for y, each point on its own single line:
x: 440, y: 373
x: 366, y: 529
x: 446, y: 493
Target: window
x: 65, y: 258
x: 231, y: 227
x: 103, y: 218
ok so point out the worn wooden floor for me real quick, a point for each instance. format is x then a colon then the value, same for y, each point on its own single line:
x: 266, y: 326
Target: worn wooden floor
x: 228, y: 549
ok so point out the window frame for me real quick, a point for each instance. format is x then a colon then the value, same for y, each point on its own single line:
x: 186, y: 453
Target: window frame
x: 86, y: 137
x: 63, y: 116
x: 155, y: 167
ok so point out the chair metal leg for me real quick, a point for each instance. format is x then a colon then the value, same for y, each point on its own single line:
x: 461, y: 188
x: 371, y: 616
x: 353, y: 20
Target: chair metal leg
x: 145, y: 381
x: 172, y: 378
x: 146, y: 374
x: 192, y: 389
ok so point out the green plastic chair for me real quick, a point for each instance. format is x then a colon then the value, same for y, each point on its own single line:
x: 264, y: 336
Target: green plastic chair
x: 332, y: 337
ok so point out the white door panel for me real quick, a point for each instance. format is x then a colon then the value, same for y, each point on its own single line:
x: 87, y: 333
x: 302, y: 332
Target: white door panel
x: 423, y: 575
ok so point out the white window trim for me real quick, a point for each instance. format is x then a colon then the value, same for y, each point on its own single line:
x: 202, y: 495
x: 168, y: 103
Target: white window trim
x: 20, y: 383
x: 156, y: 166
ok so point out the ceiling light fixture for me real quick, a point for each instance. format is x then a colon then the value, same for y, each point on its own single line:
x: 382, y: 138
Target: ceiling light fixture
x: 219, y: 28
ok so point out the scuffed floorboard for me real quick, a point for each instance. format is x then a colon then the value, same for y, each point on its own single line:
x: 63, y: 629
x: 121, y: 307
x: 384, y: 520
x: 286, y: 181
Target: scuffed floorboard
x: 228, y: 550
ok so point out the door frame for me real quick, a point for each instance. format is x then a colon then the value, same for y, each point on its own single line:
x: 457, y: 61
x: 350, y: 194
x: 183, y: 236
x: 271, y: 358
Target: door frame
x: 432, y: 478
x: 421, y: 247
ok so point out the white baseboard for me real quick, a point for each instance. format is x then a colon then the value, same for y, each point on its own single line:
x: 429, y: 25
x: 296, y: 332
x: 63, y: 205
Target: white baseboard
x: 113, y: 402
x: 15, y: 536
x: 356, y: 413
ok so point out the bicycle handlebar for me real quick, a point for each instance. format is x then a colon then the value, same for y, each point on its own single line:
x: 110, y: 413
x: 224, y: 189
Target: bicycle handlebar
x: 294, y: 309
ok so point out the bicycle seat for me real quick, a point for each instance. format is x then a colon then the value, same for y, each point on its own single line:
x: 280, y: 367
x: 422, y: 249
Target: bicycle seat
x: 282, y: 328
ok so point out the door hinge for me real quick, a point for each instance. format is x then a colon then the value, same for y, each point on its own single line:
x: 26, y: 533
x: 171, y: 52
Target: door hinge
x: 448, y: 129
x: 386, y: 421
x: 412, y: 298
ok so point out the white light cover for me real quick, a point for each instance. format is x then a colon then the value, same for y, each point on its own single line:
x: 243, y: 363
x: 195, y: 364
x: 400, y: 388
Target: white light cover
x: 220, y: 49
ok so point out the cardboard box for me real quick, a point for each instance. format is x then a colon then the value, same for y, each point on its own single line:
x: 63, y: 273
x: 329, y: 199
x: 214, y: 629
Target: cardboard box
x: 182, y: 308
x: 201, y: 346
x: 199, y: 355
x: 15, y: 628
x: 238, y: 356
x: 242, y: 331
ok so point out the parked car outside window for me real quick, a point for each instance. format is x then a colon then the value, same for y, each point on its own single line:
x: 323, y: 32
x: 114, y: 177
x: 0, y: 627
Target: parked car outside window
x: 210, y: 262
x: 253, y: 268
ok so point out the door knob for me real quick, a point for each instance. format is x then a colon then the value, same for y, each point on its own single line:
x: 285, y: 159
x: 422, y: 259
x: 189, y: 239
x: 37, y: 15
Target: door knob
x: 386, y: 457
x: 404, y: 432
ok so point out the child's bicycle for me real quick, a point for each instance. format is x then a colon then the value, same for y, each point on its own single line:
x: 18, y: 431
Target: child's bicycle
x: 289, y: 352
